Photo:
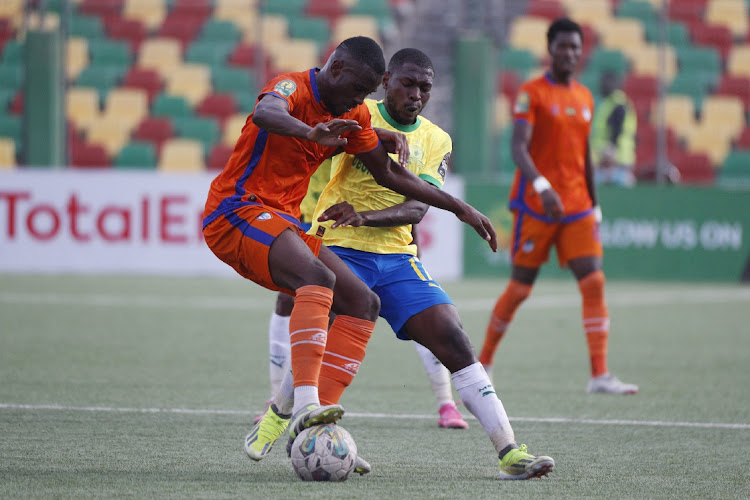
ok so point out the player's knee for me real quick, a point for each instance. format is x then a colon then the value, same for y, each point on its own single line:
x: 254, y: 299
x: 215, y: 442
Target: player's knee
x: 284, y: 304
x: 320, y: 275
x: 592, y: 283
x: 518, y: 292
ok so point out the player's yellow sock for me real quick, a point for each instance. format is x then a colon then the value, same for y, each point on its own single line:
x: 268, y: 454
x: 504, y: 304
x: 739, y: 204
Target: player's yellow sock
x: 515, y: 293
x: 595, y: 320
x: 308, y: 331
x: 347, y: 342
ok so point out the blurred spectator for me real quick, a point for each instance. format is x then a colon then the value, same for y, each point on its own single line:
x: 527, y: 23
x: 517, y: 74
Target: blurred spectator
x: 613, y: 134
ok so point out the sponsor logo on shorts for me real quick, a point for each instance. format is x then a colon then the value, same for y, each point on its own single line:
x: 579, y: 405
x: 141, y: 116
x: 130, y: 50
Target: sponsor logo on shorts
x: 528, y: 246
x: 285, y: 87
x: 264, y: 216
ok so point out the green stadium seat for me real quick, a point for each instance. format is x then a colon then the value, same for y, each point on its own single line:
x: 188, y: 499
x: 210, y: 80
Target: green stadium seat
x: 736, y: 167
x: 705, y: 61
x: 86, y: 26
x: 380, y: 9
x: 608, y: 59
x: 170, y: 106
x: 136, y: 155
x: 103, y: 78
x: 233, y: 80
x: 286, y: 8
x: 677, y: 33
x: 11, y: 77
x: 6, y: 98
x: 636, y: 9
x: 520, y: 61
x: 211, y: 53
x: 311, y: 28
x: 690, y: 85
x: 205, y: 130
x: 245, y: 101
x: 220, y: 31
x: 12, y: 53
x: 110, y: 52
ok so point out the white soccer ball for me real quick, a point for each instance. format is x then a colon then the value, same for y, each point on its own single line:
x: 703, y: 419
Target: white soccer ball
x: 324, y: 452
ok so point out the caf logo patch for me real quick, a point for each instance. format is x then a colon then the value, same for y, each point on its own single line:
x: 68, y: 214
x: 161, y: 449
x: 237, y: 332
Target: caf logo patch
x: 264, y: 216
x: 285, y: 87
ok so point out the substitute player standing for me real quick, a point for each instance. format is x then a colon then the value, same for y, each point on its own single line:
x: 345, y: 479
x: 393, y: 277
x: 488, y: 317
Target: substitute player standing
x: 554, y: 201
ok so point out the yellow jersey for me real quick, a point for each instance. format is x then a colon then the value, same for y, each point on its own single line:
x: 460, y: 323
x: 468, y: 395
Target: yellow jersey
x: 430, y: 148
x: 317, y: 182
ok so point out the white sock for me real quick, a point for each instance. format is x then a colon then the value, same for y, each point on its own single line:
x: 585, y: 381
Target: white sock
x: 278, y: 350
x: 439, y: 375
x: 304, y: 396
x: 284, y: 399
x: 480, y: 399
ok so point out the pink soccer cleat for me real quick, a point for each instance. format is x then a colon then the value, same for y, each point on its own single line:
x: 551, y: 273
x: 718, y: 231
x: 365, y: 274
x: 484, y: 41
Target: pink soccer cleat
x: 450, y: 417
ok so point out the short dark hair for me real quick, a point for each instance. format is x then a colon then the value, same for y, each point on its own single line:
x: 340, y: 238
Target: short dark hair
x: 366, y: 51
x: 412, y: 56
x: 562, y: 25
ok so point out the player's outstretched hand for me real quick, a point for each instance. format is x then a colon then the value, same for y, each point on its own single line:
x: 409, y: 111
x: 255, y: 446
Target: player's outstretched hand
x: 328, y: 133
x: 343, y: 214
x: 553, y: 207
x: 394, y: 142
x: 480, y: 223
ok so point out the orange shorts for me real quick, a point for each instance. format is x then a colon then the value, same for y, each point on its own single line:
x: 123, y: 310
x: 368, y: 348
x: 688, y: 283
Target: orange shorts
x: 242, y: 239
x: 533, y: 238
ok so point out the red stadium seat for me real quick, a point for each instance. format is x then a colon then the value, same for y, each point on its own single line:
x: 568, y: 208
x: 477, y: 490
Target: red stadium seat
x: 687, y: 10
x: 738, y: 86
x: 641, y: 87
x: 146, y: 79
x: 219, y: 156
x: 182, y: 27
x: 330, y: 9
x: 155, y: 130
x: 243, y: 54
x: 508, y: 83
x: 550, y: 9
x: 219, y: 106
x: 695, y: 168
x: 129, y: 30
x: 200, y: 9
x: 102, y: 8
x: 89, y: 156
x: 743, y: 141
x: 712, y: 35
x: 16, y: 106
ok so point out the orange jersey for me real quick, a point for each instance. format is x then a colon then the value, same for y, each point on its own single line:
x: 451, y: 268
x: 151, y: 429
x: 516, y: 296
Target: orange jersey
x: 274, y: 170
x: 561, y: 119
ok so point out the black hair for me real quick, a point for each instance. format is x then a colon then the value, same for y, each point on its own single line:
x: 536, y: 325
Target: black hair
x: 366, y: 51
x: 562, y: 25
x: 412, y: 56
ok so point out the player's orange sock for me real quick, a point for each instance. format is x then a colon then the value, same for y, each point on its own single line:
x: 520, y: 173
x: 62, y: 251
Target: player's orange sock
x: 595, y: 320
x: 505, y: 307
x: 347, y: 341
x: 308, y: 330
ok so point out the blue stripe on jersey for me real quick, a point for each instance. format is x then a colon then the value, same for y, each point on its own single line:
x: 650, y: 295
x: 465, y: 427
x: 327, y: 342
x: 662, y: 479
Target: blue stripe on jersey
x: 314, y: 85
x: 517, y: 234
x: 258, y: 148
x: 251, y: 232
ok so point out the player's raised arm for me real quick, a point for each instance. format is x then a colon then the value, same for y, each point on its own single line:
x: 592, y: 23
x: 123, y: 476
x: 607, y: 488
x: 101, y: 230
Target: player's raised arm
x: 272, y: 114
x: 388, y: 173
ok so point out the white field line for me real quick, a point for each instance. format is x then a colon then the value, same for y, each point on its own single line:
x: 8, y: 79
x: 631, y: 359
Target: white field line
x: 634, y: 298
x: 391, y: 416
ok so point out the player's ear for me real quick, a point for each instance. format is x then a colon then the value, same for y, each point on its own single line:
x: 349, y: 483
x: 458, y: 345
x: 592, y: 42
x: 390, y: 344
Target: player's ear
x: 386, y: 78
x: 337, y: 66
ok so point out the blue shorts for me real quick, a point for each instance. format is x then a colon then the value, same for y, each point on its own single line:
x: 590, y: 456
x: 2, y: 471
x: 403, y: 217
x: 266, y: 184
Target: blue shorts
x: 401, y: 282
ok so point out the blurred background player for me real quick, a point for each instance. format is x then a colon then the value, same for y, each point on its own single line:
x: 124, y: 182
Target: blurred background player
x: 613, y: 134
x: 370, y: 228
x: 554, y: 201
x: 278, y: 329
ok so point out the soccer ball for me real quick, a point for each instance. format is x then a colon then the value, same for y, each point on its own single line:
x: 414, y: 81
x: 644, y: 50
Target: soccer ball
x: 324, y: 452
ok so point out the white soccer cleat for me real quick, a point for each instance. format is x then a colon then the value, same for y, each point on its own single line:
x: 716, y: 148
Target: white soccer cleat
x: 609, y: 384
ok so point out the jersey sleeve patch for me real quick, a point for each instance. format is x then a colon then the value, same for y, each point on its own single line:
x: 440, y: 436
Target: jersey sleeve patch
x: 522, y: 103
x: 285, y: 87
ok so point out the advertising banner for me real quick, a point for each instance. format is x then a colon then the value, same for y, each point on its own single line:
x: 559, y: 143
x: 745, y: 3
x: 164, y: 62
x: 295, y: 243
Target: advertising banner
x: 114, y: 222
x: 648, y: 233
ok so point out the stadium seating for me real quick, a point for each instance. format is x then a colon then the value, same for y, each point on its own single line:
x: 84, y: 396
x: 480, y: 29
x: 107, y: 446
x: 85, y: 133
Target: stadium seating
x: 7, y: 153
x: 181, y: 155
x: 136, y: 155
x: 736, y: 167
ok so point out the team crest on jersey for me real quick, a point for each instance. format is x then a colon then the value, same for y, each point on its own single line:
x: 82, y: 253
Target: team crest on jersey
x: 285, y: 87
x: 264, y: 216
x: 522, y: 103
x: 586, y: 114
x: 443, y: 168
x: 528, y: 246
x: 320, y: 232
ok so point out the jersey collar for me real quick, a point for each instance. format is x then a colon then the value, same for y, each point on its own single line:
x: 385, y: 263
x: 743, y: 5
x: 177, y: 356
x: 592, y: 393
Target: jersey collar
x: 314, y: 84
x: 393, y: 123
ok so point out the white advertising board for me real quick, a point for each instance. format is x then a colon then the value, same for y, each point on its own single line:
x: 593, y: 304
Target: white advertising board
x: 115, y: 222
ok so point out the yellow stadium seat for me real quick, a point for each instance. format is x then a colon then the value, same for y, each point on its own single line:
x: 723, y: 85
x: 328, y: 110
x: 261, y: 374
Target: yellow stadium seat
x: 589, y: 12
x: 11, y: 8
x: 191, y: 81
x: 355, y: 25
x: 160, y: 54
x: 295, y: 55
x: 274, y: 30
x: 7, y: 153
x: 243, y: 15
x: 128, y: 105
x: 108, y: 132
x: 82, y: 106
x: 150, y: 12
x: 731, y: 13
x: 181, y: 155
x: 621, y: 34
x: 679, y: 113
x: 530, y: 33
x: 723, y: 113
x: 739, y: 61
x: 501, y: 112
x: 233, y: 128
x: 76, y: 56
x: 713, y: 143
x: 646, y: 60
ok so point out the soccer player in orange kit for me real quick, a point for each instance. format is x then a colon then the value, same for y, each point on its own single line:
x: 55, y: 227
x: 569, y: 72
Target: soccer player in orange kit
x: 554, y: 201
x: 251, y: 218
